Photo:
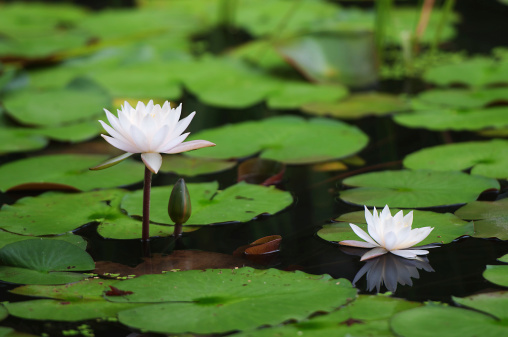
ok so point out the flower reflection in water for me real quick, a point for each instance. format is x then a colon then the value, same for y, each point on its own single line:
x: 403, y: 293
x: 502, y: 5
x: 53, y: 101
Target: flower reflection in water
x: 390, y: 270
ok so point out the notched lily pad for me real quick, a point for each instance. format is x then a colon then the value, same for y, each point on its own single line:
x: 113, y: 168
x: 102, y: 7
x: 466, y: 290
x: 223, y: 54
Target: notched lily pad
x: 497, y: 274
x: 40, y: 261
x: 490, y: 218
x: 447, y: 227
x: 358, y: 106
x: 190, y: 167
x: 289, y: 139
x: 494, y: 303
x: 223, y: 300
x: 240, y: 202
x: 415, y: 189
x: 489, y: 158
x: 71, y: 170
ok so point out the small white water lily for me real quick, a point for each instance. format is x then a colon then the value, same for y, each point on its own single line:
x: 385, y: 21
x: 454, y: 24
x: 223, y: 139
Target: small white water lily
x: 149, y: 130
x: 390, y: 234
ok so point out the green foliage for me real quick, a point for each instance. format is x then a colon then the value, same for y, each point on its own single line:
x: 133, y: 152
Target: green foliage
x: 490, y: 218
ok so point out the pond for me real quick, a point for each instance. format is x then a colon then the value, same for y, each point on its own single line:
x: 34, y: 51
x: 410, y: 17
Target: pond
x: 322, y: 113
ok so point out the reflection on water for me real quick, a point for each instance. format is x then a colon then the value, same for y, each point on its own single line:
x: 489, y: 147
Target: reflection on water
x: 391, y: 270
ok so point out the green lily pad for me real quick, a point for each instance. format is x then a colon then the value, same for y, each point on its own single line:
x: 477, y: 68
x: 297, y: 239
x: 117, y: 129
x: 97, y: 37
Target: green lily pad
x: 223, y: 300
x: 57, y: 213
x: 292, y: 95
x: 476, y: 72
x: 464, y: 99
x: 20, y: 140
x: 76, y: 132
x: 447, y: 227
x: 190, y: 167
x: 365, y: 316
x: 3, y: 313
x: 240, y: 202
x: 9, y: 332
x: 358, y: 106
x: 69, y: 170
x: 488, y: 158
x: 415, y: 189
x: 440, y: 119
x: 288, y: 139
x: 492, y: 303
x: 498, y: 274
x: 71, y: 302
x: 81, y: 100
x: 39, y: 261
x: 448, y: 321
x: 6, y: 238
x: 490, y: 218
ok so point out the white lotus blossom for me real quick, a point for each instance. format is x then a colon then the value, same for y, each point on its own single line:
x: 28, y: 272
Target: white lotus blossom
x: 390, y: 234
x: 149, y: 130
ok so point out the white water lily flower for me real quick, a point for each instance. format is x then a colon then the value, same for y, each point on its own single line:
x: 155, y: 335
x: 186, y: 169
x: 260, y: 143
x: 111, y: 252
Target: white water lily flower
x: 390, y: 234
x: 149, y: 130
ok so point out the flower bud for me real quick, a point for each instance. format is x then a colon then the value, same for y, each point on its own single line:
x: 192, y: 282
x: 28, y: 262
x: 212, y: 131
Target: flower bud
x: 179, y: 207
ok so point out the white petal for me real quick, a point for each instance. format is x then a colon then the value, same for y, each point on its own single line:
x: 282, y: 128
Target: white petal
x: 390, y: 240
x: 113, y: 133
x: 111, y: 162
x: 372, y: 226
x: 169, y: 145
x: 189, y: 146
x: 140, y: 139
x: 374, y: 252
x: 173, y: 117
x: 409, y: 253
x: 152, y: 160
x: 127, y: 147
x: 183, y: 124
x: 354, y: 243
x: 360, y: 232
x: 158, y: 139
x: 408, y: 219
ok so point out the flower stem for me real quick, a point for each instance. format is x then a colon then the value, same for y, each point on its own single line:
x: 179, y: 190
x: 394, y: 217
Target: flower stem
x: 178, y: 230
x: 145, y: 234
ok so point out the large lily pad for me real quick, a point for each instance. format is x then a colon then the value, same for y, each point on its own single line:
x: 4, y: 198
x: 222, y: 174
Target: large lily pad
x: 240, y: 202
x: 57, y: 213
x: 489, y: 158
x: 71, y: 170
x: 39, y: 261
x: 415, y: 189
x: 365, y: 316
x: 358, y: 105
x: 440, y: 119
x: 288, y: 139
x: 293, y: 95
x: 465, y: 99
x: 449, y: 321
x: 490, y: 218
x: 476, y: 72
x: 492, y: 303
x: 225, y: 300
x: 81, y: 100
x: 20, y: 140
x: 6, y: 238
x: 187, y: 166
x: 498, y: 274
x: 447, y: 227
x: 71, y: 302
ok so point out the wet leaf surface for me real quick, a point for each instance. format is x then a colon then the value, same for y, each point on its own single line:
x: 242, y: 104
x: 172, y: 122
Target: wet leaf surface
x: 415, y: 189
x: 490, y: 218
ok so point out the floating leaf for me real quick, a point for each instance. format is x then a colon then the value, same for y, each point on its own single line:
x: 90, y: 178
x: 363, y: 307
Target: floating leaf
x: 439, y: 119
x: 240, y: 202
x: 76, y: 132
x: 187, y: 166
x: 488, y: 158
x: 71, y: 170
x: 476, y: 72
x: 490, y: 218
x: 223, y: 300
x: 81, y: 100
x: 492, y: 303
x: 497, y: 274
x: 447, y: 227
x: 464, y: 99
x: 289, y: 139
x: 56, y: 213
x: 6, y: 238
x: 358, y: 105
x: 72, y: 302
x: 40, y: 261
x: 292, y: 95
x: 415, y: 189
x: 20, y: 140
x: 365, y: 316
x: 449, y: 321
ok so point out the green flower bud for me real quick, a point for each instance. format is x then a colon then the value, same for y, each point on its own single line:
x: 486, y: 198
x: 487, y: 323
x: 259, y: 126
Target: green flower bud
x: 179, y: 207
